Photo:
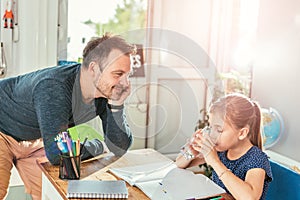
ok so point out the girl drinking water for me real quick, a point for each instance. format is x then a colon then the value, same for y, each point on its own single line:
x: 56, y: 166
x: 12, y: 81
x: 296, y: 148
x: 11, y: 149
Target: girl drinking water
x: 232, y: 146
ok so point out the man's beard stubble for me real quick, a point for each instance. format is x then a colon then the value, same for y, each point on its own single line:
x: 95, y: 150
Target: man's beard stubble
x: 114, y: 92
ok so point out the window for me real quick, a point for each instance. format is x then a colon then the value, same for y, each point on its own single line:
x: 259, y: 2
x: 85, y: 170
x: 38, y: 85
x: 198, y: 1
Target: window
x: 118, y: 17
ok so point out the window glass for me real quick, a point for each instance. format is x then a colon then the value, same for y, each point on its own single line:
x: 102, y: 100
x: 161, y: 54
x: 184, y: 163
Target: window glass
x: 92, y: 18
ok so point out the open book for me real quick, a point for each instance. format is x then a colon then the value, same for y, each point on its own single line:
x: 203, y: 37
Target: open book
x: 143, y: 173
x: 143, y: 168
x: 159, y: 178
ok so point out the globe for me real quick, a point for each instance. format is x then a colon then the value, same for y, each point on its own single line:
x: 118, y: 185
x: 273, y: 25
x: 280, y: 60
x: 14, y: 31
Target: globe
x: 272, y: 127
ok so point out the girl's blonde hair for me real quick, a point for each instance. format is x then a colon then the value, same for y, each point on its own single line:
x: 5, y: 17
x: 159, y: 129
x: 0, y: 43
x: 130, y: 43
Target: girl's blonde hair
x: 240, y: 111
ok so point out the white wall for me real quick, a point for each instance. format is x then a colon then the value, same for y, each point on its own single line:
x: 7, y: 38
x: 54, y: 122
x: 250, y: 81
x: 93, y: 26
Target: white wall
x: 178, y: 68
x: 277, y: 61
x: 32, y: 44
x: 277, y: 68
x: 190, y: 18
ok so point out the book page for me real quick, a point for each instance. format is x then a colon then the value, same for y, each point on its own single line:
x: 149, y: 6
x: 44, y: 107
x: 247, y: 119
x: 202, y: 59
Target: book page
x: 141, y: 165
x: 157, y: 172
x: 139, y: 157
x: 149, y: 187
x: 145, y: 172
x: 184, y: 184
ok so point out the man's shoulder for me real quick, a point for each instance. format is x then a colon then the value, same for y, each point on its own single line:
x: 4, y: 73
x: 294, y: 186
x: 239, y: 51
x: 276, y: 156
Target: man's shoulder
x: 50, y: 75
x: 58, y: 72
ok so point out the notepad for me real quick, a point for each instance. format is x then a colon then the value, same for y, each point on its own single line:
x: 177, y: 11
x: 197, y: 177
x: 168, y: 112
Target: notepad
x: 97, y: 189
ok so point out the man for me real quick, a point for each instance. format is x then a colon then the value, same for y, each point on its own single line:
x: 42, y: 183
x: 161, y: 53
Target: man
x: 36, y: 106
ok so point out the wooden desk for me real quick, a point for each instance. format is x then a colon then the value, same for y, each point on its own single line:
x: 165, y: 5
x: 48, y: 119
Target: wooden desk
x: 94, y: 169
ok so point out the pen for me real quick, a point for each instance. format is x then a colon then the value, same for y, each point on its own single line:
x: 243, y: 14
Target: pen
x: 83, y: 145
x: 74, y: 148
x: 62, y: 147
x: 209, y: 198
x: 70, y: 149
x: 69, y: 143
x: 77, y: 147
x: 217, y: 198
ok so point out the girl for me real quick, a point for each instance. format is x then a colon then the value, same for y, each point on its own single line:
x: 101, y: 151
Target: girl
x: 233, y: 148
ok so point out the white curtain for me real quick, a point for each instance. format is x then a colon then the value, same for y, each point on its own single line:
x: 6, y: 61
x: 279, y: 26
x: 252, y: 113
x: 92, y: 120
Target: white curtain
x: 232, y: 33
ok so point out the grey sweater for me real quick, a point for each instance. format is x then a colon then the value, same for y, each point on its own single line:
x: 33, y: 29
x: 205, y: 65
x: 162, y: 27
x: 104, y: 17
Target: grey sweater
x: 40, y: 104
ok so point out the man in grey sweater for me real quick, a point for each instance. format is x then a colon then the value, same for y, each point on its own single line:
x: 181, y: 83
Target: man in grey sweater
x: 35, y: 107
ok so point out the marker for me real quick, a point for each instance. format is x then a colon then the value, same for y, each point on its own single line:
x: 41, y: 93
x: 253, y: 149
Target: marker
x: 209, y: 198
x: 77, y: 147
x: 217, y: 198
x: 69, y: 144
x: 83, y: 145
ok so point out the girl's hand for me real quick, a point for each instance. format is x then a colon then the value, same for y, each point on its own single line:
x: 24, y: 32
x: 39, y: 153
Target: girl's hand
x: 189, y: 156
x: 188, y: 150
x: 192, y: 141
x: 204, y: 145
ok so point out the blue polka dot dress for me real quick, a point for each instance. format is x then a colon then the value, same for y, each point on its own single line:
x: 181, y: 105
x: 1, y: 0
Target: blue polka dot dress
x: 254, y: 158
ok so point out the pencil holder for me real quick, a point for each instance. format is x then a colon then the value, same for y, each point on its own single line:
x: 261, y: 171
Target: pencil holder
x: 69, y: 167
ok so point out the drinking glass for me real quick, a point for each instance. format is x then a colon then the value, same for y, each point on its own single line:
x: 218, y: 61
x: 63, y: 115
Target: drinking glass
x: 186, y: 150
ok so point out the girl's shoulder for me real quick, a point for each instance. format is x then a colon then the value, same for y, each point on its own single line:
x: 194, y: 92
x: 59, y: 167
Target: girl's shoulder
x: 255, y: 153
x: 256, y: 158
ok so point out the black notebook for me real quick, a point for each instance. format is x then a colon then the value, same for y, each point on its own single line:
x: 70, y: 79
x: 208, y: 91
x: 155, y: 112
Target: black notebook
x: 97, y: 189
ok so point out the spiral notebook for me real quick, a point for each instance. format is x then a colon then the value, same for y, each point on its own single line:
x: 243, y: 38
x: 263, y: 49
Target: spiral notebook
x: 97, y: 189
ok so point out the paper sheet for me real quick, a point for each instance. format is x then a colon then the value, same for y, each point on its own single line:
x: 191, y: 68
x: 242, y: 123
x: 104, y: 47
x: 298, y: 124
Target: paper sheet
x: 183, y: 184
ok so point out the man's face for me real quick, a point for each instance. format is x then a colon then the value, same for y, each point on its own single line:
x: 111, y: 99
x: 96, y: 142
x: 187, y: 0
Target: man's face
x: 113, y: 82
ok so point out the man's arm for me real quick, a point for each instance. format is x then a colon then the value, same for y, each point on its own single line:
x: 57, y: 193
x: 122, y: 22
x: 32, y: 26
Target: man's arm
x: 52, y: 107
x: 117, y: 134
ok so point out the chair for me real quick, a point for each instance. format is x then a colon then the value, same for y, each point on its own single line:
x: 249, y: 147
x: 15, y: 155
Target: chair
x: 285, y: 184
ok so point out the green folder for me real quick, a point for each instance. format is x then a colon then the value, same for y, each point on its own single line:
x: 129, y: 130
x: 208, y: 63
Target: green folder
x: 82, y: 131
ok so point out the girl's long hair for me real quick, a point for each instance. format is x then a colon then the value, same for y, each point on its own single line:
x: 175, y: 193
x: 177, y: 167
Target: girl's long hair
x: 240, y: 111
